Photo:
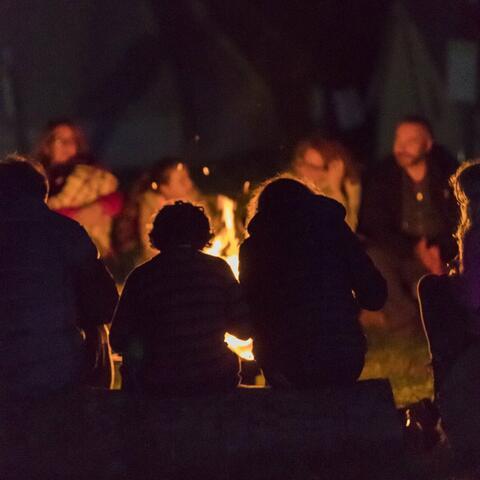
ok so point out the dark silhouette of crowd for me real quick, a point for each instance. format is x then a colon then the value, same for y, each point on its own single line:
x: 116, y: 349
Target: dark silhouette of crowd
x: 322, y: 246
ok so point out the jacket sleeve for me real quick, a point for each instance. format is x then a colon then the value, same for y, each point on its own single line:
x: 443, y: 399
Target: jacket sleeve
x: 368, y: 284
x: 96, y: 293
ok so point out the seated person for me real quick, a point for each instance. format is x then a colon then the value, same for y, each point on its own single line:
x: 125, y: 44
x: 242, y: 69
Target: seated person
x: 175, y: 309
x: 79, y: 187
x: 306, y: 277
x: 166, y: 182
x: 328, y: 165
x: 450, y: 304
x: 408, y: 215
x: 54, y: 291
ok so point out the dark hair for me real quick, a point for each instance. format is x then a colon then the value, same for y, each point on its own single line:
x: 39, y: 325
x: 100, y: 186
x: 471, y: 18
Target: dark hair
x: 181, y: 224
x: 418, y: 120
x: 279, y: 192
x: 46, y: 138
x: 330, y: 149
x: 20, y: 177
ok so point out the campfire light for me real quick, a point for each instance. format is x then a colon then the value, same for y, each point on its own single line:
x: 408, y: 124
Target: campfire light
x: 243, y: 348
x: 225, y: 245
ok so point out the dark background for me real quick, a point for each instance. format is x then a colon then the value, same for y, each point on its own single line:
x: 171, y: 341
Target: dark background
x: 235, y: 84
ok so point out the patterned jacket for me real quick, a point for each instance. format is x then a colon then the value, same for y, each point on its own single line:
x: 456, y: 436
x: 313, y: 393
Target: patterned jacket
x: 171, y: 321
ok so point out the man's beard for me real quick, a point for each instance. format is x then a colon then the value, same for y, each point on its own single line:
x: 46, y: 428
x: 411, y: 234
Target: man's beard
x: 405, y: 160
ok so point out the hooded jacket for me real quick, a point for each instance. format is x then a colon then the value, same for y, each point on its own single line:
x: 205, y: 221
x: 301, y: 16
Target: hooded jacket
x: 306, y: 277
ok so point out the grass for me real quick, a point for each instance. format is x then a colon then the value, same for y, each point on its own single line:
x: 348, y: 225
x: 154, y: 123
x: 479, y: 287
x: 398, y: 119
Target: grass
x: 404, y: 360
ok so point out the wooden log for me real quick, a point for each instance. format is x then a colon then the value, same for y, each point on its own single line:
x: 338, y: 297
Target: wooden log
x: 341, y: 432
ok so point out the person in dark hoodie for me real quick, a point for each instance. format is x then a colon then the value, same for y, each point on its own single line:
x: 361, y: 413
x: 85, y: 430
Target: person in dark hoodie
x: 56, y: 296
x: 306, y: 277
x: 175, y: 309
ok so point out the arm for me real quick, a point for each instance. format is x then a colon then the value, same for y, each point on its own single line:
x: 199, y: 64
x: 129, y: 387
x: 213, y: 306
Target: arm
x: 96, y: 293
x: 368, y: 284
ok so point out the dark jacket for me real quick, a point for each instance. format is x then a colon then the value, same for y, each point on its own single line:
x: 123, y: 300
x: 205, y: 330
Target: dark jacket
x: 380, y: 216
x: 52, y: 285
x: 171, y: 321
x: 306, y: 276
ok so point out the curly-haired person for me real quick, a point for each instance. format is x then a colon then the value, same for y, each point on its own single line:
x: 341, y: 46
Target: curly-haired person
x: 175, y: 309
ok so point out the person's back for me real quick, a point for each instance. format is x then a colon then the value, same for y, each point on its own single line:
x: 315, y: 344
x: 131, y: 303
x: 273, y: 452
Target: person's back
x: 44, y: 260
x: 299, y: 268
x: 173, y: 314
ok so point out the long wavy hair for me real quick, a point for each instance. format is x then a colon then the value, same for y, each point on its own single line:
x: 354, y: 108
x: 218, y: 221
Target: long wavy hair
x: 465, y: 183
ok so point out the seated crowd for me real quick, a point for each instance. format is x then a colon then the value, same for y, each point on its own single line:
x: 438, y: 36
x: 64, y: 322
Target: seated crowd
x: 318, y: 252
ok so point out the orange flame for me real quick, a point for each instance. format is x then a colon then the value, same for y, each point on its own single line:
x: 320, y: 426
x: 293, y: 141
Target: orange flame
x: 226, y: 245
x: 243, y: 348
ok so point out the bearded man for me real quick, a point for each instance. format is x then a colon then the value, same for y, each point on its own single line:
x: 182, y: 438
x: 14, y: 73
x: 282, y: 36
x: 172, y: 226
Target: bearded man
x: 408, y: 216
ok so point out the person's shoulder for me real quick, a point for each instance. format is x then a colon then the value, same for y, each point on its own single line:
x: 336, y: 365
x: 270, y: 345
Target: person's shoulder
x: 66, y: 224
x: 216, y: 263
x: 327, y: 207
x: 146, y: 269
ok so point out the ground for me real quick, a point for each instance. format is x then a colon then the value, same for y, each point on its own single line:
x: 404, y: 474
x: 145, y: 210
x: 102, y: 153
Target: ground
x: 404, y: 360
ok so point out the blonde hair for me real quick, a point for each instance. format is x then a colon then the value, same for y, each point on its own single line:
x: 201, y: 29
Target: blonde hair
x: 465, y: 183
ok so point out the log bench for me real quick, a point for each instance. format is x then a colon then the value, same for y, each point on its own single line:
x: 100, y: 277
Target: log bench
x: 341, y: 432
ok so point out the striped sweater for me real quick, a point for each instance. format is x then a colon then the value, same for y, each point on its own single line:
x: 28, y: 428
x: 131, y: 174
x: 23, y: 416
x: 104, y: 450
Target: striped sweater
x: 171, y: 320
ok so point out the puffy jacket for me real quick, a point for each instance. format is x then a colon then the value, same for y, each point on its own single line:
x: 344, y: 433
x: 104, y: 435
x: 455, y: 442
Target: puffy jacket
x: 52, y: 285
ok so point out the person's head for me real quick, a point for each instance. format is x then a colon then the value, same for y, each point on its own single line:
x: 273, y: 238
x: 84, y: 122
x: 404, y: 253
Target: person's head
x: 413, y: 141
x: 312, y: 157
x: 465, y: 183
x: 170, y: 177
x: 61, y: 141
x: 180, y: 224
x: 280, y: 193
x: 20, y: 178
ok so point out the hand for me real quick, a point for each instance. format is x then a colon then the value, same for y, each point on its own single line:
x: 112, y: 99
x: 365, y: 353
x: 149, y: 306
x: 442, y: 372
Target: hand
x: 430, y: 257
x: 336, y: 174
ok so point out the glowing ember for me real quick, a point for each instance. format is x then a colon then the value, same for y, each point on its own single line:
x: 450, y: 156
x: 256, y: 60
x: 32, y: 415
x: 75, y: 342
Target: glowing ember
x: 243, y: 348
